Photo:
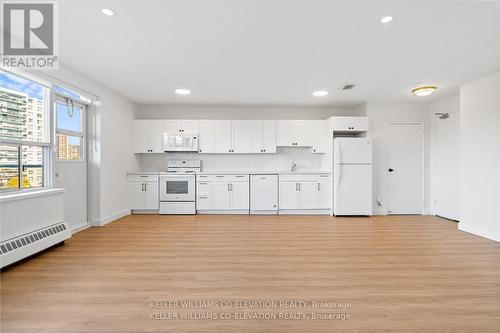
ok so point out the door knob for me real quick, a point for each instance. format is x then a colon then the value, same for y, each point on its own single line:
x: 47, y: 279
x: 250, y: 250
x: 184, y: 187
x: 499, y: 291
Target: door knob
x: 391, y: 170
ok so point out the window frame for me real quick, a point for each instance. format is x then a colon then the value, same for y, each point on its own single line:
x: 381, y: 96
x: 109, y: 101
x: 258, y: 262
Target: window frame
x: 46, y: 145
x: 81, y: 134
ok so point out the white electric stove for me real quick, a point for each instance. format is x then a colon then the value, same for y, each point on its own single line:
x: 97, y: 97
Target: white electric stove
x: 178, y: 186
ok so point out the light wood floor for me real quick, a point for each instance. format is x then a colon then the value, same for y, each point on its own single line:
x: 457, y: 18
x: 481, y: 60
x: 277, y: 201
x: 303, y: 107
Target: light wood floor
x: 411, y: 273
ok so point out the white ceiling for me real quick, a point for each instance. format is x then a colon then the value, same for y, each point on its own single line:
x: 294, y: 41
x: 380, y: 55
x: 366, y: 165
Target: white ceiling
x: 277, y: 52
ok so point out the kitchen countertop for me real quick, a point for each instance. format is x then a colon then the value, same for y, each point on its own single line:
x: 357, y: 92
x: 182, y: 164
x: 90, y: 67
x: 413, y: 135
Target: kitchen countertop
x: 260, y: 172
x: 239, y: 172
x: 154, y: 173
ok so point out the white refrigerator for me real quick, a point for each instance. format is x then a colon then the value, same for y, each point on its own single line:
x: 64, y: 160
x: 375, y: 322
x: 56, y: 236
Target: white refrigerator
x: 352, y: 176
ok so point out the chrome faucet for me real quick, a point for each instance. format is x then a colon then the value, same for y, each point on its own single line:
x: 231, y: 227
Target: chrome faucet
x: 293, y: 166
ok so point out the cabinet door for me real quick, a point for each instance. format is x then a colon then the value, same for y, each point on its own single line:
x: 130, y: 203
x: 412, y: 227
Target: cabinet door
x: 289, y: 195
x: 151, y: 195
x: 324, y: 195
x: 190, y: 126
x: 240, y: 195
x: 350, y: 124
x: 221, y: 196
x: 241, y: 136
x: 257, y: 127
x: 206, y: 136
x: 308, y: 195
x: 286, y: 133
x: 141, y: 136
x: 223, y: 136
x: 172, y: 126
x: 136, y: 195
x: 318, y: 136
x: 269, y: 136
x: 156, y: 136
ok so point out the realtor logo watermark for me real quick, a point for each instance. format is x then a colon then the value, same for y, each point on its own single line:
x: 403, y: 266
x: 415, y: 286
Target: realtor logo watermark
x: 30, y: 34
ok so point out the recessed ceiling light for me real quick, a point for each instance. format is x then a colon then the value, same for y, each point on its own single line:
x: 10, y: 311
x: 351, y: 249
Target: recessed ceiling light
x: 424, y: 91
x: 320, y: 93
x: 386, y: 19
x: 107, y: 12
x: 182, y: 91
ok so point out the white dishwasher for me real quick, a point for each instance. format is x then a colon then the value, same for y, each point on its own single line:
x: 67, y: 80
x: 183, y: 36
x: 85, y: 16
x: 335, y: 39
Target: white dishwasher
x: 264, y: 194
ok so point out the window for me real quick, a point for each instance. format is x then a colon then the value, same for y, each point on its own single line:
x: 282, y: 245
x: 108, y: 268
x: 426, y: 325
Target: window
x: 24, y: 132
x: 70, y: 133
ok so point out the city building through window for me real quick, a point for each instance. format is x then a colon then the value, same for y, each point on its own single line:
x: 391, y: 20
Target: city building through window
x: 24, y: 133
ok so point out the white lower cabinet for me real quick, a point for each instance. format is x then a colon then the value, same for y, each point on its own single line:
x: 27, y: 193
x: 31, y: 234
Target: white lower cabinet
x: 143, y: 192
x: 305, y: 194
x: 222, y: 194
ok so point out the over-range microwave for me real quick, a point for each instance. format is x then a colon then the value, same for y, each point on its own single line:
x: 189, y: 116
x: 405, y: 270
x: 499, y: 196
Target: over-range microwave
x: 180, y: 142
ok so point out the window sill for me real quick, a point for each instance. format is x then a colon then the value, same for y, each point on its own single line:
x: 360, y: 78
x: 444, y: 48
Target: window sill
x: 6, y: 197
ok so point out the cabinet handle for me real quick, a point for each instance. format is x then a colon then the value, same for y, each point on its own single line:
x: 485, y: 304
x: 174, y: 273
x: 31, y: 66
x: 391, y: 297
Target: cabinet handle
x: 228, y: 187
x: 296, y: 186
x: 145, y: 187
x: 200, y: 197
x: 142, y: 187
x: 202, y: 183
x: 318, y: 186
x: 300, y: 187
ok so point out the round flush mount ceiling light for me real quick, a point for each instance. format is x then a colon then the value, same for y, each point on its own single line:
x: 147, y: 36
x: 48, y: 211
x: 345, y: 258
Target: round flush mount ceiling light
x: 424, y: 91
x: 107, y: 12
x: 320, y: 93
x: 182, y: 91
x: 386, y: 19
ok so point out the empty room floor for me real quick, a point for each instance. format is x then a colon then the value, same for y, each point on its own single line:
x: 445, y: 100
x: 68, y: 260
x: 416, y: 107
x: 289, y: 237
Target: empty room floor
x: 386, y: 273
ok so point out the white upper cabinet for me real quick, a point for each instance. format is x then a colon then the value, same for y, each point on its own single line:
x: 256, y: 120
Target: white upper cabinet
x: 223, y: 136
x: 263, y: 136
x: 350, y: 124
x: 190, y: 126
x: 319, y: 139
x: 288, y: 133
x: 148, y: 136
x: 174, y: 126
x: 206, y: 135
x: 232, y: 136
x: 241, y: 136
x: 302, y: 133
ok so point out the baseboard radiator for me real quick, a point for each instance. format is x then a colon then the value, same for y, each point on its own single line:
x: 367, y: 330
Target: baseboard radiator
x: 23, y: 246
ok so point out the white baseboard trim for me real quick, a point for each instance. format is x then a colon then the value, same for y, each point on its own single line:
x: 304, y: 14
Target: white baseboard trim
x: 224, y: 212
x: 479, y: 231
x: 304, y: 212
x: 379, y: 211
x: 113, y: 217
x: 79, y: 227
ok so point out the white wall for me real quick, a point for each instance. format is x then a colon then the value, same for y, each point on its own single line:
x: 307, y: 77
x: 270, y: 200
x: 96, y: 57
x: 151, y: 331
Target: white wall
x: 480, y: 156
x: 449, y: 105
x: 241, y: 112
x: 116, y: 158
x: 380, y: 115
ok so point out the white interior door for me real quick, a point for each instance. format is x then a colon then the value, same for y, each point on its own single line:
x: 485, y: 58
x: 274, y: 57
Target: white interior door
x: 447, y: 167
x: 405, y: 169
x: 71, y: 162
